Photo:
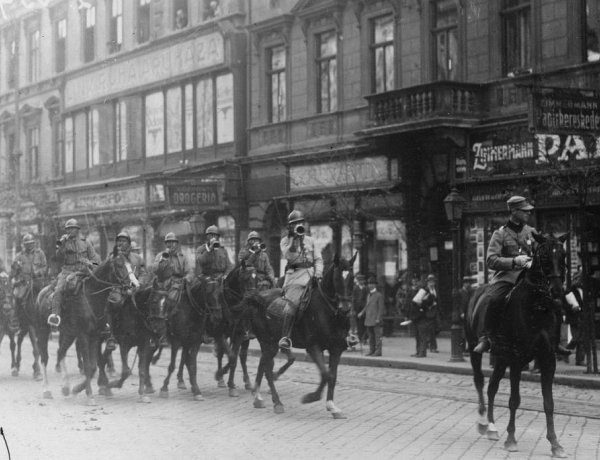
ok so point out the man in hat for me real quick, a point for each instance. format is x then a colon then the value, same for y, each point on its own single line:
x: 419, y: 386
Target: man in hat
x: 373, y: 313
x: 359, y: 298
x: 426, y: 316
x: 79, y: 257
x: 254, y: 256
x: 28, y: 267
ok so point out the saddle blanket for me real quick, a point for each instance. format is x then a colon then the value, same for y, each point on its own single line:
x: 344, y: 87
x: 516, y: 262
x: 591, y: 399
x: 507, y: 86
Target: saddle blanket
x: 276, y: 307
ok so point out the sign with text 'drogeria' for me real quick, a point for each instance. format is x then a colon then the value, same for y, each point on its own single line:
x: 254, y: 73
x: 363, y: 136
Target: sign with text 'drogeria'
x: 203, y: 195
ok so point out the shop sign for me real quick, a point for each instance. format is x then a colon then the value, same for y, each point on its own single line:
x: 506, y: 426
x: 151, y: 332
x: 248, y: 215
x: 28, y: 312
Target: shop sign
x: 103, y: 200
x: 28, y: 214
x: 389, y: 230
x: 566, y: 111
x: 339, y: 174
x: 178, y: 59
x: 194, y: 195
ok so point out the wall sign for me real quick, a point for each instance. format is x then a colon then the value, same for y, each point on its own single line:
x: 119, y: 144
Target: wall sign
x: 102, y: 200
x: 194, y: 195
x: 565, y: 111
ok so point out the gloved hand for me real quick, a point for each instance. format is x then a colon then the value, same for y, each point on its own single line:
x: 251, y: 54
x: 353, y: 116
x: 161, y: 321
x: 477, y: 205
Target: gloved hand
x: 521, y: 261
x: 291, y: 233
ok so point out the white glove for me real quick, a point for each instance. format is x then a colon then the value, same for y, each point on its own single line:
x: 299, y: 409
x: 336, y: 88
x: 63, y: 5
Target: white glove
x: 521, y: 261
x: 527, y: 265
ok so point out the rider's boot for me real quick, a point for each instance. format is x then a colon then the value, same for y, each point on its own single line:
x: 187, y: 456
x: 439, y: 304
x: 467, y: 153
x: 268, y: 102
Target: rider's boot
x: 285, y: 342
x: 54, y: 318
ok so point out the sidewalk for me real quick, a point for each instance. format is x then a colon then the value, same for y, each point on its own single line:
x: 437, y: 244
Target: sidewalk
x: 397, y: 351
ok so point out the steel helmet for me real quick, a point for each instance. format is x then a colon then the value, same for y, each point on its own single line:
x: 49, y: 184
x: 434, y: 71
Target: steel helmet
x: 295, y: 216
x: 213, y: 230
x: 125, y: 235
x: 28, y: 238
x: 72, y: 223
x: 171, y: 237
x: 253, y: 236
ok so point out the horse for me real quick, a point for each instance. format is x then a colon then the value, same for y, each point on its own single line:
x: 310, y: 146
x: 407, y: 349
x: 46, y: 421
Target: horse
x: 9, y: 321
x: 324, y: 325
x: 82, y: 316
x: 527, y: 330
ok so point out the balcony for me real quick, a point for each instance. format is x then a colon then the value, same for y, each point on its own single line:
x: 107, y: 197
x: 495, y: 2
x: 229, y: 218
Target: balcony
x: 443, y: 103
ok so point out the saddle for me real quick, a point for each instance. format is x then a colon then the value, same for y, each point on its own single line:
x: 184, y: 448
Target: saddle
x: 74, y: 283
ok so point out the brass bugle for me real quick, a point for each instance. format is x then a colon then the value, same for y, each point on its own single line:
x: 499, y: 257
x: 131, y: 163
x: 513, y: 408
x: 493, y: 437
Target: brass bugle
x: 263, y: 246
x: 299, y: 230
x: 216, y: 245
x: 166, y: 254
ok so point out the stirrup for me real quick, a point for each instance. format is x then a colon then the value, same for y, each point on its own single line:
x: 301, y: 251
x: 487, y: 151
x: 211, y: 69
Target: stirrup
x: 54, y: 320
x: 111, y: 344
x: 285, y: 343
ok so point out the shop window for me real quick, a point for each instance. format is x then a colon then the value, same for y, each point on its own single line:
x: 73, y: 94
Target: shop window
x: 12, y: 63
x: 382, y: 51
x: 226, y: 225
x: 204, y: 113
x: 116, y: 26
x: 445, y: 39
x: 33, y: 152
x: 155, y: 124
x: 326, y: 64
x: 276, y: 75
x: 180, y: 14
x: 134, y: 133
x: 69, y: 145
x: 592, y: 30
x: 224, y: 113
x: 88, y: 27
x: 33, y: 44
x: 93, y: 138
x: 143, y: 21
x: 189, y: 116
x: 106, y: 132
x: 391, y: 251
x: 60, y: 45
x: 323, y: 236
x: 174, y: 120
x: 212, y: 9
x: 516, y: 35
x: 121, y: 131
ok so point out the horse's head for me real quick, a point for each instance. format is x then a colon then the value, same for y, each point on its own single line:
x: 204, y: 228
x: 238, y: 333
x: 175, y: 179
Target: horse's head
x: 338, y: 282
x: 116, y: 268
x: 549, y: 261
x: 241, y: 280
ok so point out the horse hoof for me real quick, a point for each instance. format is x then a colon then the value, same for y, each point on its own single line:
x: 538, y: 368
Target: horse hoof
x: 493, y: 435
x: 482, y: 429
x: 221, y: 384
x: 198, y: 397
x: 338, y: 415
x: 15, y: 372
x: 145, y: 399
x: 310, y: 397
x: 558, y: 452
x: 66, y: 391
x: 163, y: 394
x: 47, y: 394
x: 149, y: 390
x: 37, y: 376
x: 259, y: 404
x: 248, y: 386
x: 181, y: 386
x: 278, y: 409
x: 234, y: 393
x: 511, y: 446
x: 105, y: 391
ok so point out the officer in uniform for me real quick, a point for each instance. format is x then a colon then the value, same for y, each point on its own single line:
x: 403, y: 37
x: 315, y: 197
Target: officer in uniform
x: 255, y: 257
x: 79, y: 257
x: 304, y: 262
x: 29, y: 266
x: 136, y: 277
x: 212, y: 266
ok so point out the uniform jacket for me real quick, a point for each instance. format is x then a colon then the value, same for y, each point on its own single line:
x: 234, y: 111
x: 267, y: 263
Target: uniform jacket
x: 29, y: 265
x: 260, y: 261
x: 77, y: 252
x: 176, y: 265
x: 138, y: 267
x: 505, y: 245
x: 374, y: 309
x: 302, y: 253
x: 213, y: 263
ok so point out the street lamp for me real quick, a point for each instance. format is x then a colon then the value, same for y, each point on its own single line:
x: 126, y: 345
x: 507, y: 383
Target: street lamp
x: 454, y: 205
x: 197, y: 224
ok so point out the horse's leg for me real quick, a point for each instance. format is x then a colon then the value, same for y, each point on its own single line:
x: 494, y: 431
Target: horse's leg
x: 64, y: 343
x: 497, y: 375
x: 143, y: 368
x: 125, y: 369
x: 243, y: 354
x: 513, y: 404
x: 334, y: 360
x: 290, y: 360
x: 269, y: 364
x: 15, y: 357
x: 317, y: 356
x: 89, y: 362
x: 180, y: 379
x: 103, y: 385
x: 36, y: 353
x: 149, y: 350
x: 43, y: 347
x: 548, y: 368
x: 220, y: 349
x: 191, y: 356
x: 259, y: 402
x: 233, y: 352
x: 164, y: 391
x: 479, y: 380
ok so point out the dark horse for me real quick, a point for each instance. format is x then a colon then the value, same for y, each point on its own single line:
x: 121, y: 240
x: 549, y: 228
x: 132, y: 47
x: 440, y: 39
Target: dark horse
x: 9, y: 322
x: 527, y: 330
x: 322, y: 326
x: 82, y: 316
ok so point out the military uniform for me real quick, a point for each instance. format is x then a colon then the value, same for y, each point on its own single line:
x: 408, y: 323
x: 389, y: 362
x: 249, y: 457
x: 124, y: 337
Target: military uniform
x: 171, y: 272
x: 212, y: 266
x: 259, y: 260
x: 29, y: 266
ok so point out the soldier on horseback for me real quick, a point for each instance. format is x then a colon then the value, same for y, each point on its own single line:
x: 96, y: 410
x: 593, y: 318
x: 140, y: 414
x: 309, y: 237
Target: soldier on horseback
x: 79, y: 257
x: 255, y: 257
x: 172, y: 270
x: 29, y: 267
x: 212, y: 266
x: 304, y: 262
x: 136, y: 270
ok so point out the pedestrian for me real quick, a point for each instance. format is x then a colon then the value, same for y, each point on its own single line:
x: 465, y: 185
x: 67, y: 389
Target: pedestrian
x: 412, y: 310
x: 426, y: 302
x: 373, y: 313
x: 359, y: 299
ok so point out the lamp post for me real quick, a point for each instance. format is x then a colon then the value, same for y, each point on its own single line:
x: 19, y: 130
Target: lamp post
x: 197, y: 224
x: 454, y: 205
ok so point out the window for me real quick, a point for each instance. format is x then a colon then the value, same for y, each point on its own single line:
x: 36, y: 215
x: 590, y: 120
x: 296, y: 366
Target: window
x: 93, y: 138
x: 121, y: 130
x: 212, y: 9
x: 60, y: 45
x: 33, y: 160
x: 224, y: 115
x: 174, y: 120
x: 180, y: 14
x: 327, y: 72
x: 276, y: 79
x: 69, y: 145
x: 116, y: 26
x: 445, y: 39
x: 516, y: 35
x: 592, y: 29
x: 57, y: 161
x: 189, y: 116
x: 383, y: 54
x: 33, y: 43
x: 12, y: 63
x: 155, y: 124
x: 143, y: 21
x: 88, y: 20
x: 204, y: 112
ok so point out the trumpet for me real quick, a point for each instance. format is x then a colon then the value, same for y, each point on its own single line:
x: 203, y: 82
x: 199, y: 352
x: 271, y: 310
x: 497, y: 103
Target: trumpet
x: 166, y: 254
x: 299, y: 230
x: 62, y: 239
x: 262, y: 246
x: 214, y: 243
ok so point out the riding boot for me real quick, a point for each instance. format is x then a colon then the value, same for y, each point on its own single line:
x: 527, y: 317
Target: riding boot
x: 492, y: 319
x: 286, y: 331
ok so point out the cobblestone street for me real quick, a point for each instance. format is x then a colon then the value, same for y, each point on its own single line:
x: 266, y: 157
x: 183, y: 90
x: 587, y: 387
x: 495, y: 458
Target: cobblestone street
x: 391, y: 414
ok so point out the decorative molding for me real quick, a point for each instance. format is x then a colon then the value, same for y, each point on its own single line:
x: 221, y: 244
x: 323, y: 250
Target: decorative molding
x: 312, y: 11
x: 274, y: 29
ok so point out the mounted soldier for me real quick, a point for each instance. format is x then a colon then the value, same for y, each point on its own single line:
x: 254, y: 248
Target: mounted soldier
x: 28, y: 269
x: 212, y: 266
x: 172, y: 270
x: 79, y: 258
x: 254, y: 256
x: 304, y: 263
x: 137, y: 275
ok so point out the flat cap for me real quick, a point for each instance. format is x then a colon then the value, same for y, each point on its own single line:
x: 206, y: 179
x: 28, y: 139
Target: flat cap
x: 518, y: 202
x: 431, y: 277
x: 361, y: 278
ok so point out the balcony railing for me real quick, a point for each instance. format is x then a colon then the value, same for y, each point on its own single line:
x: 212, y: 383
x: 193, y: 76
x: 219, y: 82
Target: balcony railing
x: 433, y: 100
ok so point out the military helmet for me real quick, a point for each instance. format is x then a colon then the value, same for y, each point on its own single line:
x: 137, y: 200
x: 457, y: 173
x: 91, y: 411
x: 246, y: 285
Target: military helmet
x: 125, y: 235
x: 213, y: 230
x: 28, y: 238
x: 71, y: 223
x: 171, y: 237
x: 253, y: 236
x: 295, y: 216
